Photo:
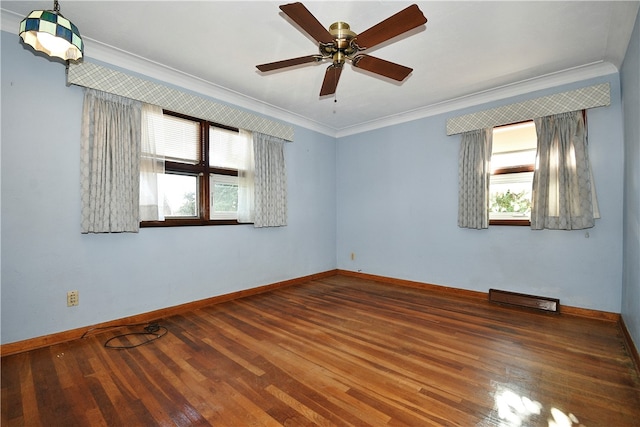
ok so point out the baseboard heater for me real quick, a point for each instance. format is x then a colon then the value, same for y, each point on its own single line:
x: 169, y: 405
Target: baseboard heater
x: 524, y: 300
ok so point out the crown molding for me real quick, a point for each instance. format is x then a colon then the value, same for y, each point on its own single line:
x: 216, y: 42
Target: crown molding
x: 9, y: 21
x: 572, y: 75
x: 126, y: 60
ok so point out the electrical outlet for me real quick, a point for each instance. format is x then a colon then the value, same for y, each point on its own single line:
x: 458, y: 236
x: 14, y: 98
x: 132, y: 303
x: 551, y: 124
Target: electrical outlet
x: 353, y: 256
x: 72, y: 298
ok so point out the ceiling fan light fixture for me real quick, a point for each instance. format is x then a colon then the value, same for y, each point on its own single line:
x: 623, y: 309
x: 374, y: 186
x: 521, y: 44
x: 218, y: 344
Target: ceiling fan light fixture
x: 49, y: 32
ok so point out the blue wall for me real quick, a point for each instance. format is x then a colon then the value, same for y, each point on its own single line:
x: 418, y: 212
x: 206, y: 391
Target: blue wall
x: 630, y: 83
x: 397, y: 212
x: 388, y: 196
x: 44, y: 254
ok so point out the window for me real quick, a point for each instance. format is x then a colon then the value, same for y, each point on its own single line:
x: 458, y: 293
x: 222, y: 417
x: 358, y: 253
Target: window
x: 200, y: 183
x: 512, y: 164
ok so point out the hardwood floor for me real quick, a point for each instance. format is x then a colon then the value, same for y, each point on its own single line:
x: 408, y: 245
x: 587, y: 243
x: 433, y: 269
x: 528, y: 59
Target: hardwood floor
x: 333, y: 352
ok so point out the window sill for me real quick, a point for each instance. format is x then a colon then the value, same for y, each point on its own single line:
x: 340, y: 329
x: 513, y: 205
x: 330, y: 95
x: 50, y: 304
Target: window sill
x: 516, y: 222
x: 189, y: 223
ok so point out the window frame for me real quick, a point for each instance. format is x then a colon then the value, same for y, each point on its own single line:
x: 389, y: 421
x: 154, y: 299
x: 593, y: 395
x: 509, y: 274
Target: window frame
x: 512, y: 170
x: 202, y: 170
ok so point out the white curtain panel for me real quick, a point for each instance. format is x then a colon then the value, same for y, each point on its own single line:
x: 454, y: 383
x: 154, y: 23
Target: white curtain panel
x: 270, y: 181
x: 110, y: 163
x: 563, y: 196
x: 151, y: 164
x: 473, y: 179
x: 246, y: 179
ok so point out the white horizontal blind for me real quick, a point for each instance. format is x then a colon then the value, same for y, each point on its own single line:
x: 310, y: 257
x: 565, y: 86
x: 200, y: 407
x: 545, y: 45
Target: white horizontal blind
x: 224, y: 148
x: 513, y: 158
x: 573, y: 100
x: 182, y: 142
x: 514, y: 145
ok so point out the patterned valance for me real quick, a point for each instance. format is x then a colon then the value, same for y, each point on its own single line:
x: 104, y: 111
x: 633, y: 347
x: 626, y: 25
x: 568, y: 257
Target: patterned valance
x: 111, y: 81
x: 574, y: 100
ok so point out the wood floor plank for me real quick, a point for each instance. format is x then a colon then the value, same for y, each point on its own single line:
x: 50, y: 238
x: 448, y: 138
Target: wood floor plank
x: 336, y: 351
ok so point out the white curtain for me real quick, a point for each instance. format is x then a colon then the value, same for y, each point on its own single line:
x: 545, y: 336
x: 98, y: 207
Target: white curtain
x: 246, y: 175
x: 270, y: 181
x: 151, y: 164
x: 110, y: 163
x: 563, y: 196
x: 473, y: 179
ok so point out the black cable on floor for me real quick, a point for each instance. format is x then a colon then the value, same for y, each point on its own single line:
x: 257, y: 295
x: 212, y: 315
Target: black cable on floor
x: 99, y: 328
x: 156, y: 331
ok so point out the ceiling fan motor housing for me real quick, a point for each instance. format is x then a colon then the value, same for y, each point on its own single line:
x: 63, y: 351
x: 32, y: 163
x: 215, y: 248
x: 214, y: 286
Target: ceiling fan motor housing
x: 342, y: 47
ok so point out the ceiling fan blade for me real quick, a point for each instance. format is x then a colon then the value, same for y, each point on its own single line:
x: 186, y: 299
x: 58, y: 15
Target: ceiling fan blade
x: 301, y: 16
x: 330, y: 82
x: 380, y: 66
x: 403, y: 21
x: 289, y: 63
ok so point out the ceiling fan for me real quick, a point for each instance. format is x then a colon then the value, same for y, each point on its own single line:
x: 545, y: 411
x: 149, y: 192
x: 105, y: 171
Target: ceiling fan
x: 340, y: 44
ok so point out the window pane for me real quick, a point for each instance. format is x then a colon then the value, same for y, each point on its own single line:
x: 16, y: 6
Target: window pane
x: 182, y: 141
x: 224, y: 149
x: 510, y: 196
x: 224, y: 197
x: 180, y: 195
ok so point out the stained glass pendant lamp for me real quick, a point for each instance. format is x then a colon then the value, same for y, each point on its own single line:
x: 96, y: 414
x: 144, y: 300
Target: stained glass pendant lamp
x: 49, y: 32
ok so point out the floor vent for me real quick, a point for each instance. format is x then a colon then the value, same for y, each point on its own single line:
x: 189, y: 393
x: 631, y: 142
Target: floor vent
x: 523, y: 300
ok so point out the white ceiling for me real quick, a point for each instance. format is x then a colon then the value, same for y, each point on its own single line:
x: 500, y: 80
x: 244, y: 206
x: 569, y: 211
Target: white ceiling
x: 468, y: 52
